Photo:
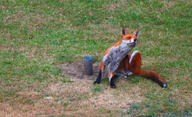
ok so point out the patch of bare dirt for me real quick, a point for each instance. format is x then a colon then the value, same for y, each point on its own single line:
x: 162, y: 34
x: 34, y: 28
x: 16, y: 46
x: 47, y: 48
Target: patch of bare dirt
x: 69, y: 96
x: 75, y: 70
x: 81, y: 98
x: 113, y: 99
x: 76, y: 87
x: 81, y: 92
x: 20, y: 107
x: 77, y: 98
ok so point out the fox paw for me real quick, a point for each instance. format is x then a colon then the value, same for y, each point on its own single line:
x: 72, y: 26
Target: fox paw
x: 164, y: 85
x: 96, y: 82
x: 113, y: 86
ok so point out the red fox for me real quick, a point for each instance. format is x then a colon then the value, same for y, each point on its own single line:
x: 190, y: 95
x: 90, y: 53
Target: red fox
x: 119, y: 61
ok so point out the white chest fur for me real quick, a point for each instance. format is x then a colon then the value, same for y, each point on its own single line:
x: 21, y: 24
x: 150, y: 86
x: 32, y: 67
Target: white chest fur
x: 116, y: 54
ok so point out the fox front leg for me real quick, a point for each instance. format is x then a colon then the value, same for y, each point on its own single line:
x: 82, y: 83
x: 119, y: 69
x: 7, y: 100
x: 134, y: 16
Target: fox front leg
x: 112, y: 80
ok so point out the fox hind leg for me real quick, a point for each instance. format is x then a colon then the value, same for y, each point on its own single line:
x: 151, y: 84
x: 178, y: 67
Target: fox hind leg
x: 112, y: 79
x: 135, y: 67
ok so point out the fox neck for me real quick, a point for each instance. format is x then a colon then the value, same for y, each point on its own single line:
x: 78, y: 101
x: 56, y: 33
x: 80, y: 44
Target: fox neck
x: 125, y: 46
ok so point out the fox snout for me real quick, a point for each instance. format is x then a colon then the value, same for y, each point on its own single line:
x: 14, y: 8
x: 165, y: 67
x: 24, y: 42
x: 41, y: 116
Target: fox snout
x: 130, y: 42
x: 135, y: 41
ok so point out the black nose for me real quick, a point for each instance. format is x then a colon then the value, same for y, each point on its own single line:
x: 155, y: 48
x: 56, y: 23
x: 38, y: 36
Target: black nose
x: 135, y: 40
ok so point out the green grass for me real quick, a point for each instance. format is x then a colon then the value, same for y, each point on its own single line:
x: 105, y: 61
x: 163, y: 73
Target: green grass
x: 37, y: 35
x: 98, y: 88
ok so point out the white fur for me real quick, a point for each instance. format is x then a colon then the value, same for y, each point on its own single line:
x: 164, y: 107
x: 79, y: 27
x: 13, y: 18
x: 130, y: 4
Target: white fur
x: 128, y: 41
x: 112, y: 59
x: 115, y: 55
x: 110, y: 76
x: 105, y: 57
x: 132, y: 55
x: 129, y: 73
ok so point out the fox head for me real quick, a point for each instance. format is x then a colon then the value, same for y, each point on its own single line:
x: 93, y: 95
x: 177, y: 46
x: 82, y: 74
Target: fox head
x: 129, y: 39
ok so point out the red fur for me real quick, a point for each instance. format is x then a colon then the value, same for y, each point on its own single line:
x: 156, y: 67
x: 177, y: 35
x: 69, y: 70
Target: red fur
x: 134, y: 65
x: 135, y: 68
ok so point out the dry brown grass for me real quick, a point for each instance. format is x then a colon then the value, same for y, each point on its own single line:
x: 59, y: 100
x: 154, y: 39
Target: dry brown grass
x: 77, y: 98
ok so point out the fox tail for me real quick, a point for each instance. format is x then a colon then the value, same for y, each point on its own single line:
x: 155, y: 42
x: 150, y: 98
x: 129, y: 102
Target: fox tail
x: 154, y: 76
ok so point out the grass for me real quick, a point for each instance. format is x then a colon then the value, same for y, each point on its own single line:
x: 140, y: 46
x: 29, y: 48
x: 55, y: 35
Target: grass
x: 98, y: 88
x: 37, y: 35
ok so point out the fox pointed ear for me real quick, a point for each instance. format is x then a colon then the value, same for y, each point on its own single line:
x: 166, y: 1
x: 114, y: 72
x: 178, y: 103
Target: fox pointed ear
x: 123, y: 31
x: 136, y: 33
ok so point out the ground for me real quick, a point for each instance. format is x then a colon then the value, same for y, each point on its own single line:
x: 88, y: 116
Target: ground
x: 42, y: 43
